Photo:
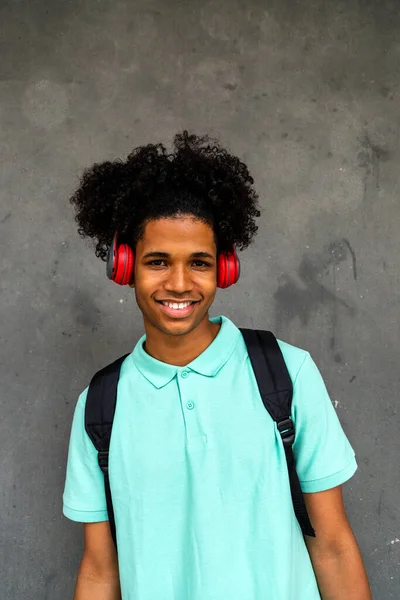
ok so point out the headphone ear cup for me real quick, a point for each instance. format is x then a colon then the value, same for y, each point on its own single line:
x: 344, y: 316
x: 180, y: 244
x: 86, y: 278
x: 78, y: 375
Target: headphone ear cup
x: 236, y: 271
x: 124, y: 266
x: 120, y: 262
x: 130, y: 263
x: 221, y: 271
x: 228, y: 269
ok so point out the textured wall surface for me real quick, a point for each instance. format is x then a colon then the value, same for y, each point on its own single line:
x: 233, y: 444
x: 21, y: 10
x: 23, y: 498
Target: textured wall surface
x: 308, y: 94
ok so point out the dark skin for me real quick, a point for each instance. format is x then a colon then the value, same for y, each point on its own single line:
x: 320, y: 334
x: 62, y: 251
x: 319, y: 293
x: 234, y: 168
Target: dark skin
x: 180, y: 273
x: 176, y: 260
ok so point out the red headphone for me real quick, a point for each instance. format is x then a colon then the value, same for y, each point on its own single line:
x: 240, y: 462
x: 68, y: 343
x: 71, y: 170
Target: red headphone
x: 121, y: 260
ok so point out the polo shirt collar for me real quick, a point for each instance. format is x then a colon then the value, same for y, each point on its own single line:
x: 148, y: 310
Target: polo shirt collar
x: 208, y: 363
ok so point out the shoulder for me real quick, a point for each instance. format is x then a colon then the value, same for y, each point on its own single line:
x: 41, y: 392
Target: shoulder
x: 297, y: 359
x: 81, y: 402
x: 294, y: 357
x: 127, y: 366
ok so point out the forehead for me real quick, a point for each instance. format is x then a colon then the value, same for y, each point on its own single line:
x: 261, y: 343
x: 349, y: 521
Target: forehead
x: 177, y: 235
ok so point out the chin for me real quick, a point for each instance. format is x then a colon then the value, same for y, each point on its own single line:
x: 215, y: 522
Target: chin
x: 179, y: 328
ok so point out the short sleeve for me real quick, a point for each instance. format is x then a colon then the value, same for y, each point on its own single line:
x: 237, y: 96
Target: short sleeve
x: 84, y: 497
x: 323, y: 454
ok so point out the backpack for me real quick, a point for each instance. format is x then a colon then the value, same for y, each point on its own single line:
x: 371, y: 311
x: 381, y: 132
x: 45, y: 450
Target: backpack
x: 275, y: 388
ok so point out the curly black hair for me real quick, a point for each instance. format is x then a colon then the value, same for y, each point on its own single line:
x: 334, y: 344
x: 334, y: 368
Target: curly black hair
x: 198, y: 178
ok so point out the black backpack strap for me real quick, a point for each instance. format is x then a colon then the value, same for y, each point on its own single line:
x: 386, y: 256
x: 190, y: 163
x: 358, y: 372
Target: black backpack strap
x: 276, y: 391
x: 99, y: 416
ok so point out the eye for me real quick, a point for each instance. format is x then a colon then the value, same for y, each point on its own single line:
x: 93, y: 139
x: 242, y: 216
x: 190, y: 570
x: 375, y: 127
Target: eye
x: 156, y: 263
x: 201, y: 264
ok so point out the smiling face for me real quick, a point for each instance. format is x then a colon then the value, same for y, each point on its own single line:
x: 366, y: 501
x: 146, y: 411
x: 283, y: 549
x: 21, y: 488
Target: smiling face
x: 175, y: 274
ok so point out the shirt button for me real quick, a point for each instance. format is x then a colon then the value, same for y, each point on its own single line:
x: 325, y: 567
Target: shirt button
x: 190, y: 405
x: 184, y: 374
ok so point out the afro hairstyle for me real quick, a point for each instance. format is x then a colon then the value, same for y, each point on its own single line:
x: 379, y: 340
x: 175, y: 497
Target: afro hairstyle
x: 198, y: 178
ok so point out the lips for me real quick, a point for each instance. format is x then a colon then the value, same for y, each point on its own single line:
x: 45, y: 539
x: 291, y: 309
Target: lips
x: 177, y: 305
x: 177, y: 310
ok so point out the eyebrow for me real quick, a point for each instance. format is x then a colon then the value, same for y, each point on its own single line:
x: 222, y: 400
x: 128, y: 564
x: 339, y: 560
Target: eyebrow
x: 167, y: 255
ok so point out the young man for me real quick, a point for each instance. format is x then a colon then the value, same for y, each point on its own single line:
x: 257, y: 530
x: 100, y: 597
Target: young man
x: 198, y: 474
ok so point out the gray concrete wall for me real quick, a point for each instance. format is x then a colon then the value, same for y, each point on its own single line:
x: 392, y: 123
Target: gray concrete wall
x: 308, y: 94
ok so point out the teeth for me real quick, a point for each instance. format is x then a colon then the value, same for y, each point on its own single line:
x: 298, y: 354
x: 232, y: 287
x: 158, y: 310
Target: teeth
x: 177, y: 305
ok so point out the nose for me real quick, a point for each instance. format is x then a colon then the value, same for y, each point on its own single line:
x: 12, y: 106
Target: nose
x: 179, y: 279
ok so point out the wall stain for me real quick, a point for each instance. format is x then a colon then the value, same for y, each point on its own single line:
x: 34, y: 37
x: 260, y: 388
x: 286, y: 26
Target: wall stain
x: 294, y: 300
x: 353, y: 256
x: 380, y: 502
x: 4, y: 219
x: 386, y: 92
x: 55, y: 268
x: 230, y: 86
x: 52, y: 576
x: 61, y: 252
x: 370, y: 158
x: 303, y: 296
x: 85, y: 311
x: 371, y: 152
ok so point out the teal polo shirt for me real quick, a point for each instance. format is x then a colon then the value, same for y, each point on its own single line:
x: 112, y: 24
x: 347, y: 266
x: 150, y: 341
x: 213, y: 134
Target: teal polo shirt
x: 199, y: 479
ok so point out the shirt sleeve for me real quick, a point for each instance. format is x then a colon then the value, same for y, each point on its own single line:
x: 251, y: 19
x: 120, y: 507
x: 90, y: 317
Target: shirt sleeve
x: 323, y: 454
x: 84, y: 496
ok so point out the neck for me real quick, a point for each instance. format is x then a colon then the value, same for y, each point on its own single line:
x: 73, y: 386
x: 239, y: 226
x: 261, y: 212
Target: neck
x: 180, y: 350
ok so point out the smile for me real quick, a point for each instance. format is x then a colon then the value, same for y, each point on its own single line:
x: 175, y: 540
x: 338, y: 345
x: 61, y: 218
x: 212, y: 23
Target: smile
x: 177, y: 309
x: 177, y: 305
